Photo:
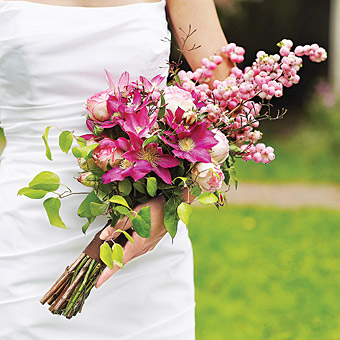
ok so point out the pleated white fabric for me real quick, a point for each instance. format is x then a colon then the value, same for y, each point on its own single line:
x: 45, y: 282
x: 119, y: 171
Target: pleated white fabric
x: 51, y: 59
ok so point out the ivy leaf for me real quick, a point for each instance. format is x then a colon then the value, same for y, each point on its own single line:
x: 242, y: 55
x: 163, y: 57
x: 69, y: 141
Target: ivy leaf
x: 142, y: 222
x: 152, y: 139
x: 84, y: 208
x: 151, y: 186
x: 32, y: 193
x: 122, y: 210
x: 140, y: 187
x: 207, y: 198
x: 46, y: 180
x: 87, y: 224
x: 196, y: 190
x: 184, y: 212
x: 65, y: 141
x: 45, y: 139
x: 97, y: 209
x: 170, y: 215
x: 106, y: 254
x: 52, y: 207
x: 83, y: 151
x: 127, y: 235
x: 125, y: 187
x: 119, y: 200
x: 117, y: 255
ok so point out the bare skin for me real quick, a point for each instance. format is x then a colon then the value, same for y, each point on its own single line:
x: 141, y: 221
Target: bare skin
x: 201, y: 15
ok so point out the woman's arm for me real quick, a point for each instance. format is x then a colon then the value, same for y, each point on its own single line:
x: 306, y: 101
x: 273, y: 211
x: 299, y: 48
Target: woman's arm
x: 202, y: 16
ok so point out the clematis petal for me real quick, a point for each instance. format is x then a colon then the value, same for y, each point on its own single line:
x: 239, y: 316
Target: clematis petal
x: 167, y: 161
x: 123, y: 80
x: 140, y: 169
x: 115, y: 174
x: 164, y: 174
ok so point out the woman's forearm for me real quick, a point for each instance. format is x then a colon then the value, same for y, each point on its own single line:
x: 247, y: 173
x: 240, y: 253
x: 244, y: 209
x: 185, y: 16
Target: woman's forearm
x: 202, y: 16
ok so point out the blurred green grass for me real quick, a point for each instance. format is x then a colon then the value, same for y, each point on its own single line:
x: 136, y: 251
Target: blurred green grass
x: 305, y: 156
x: 266, y: 274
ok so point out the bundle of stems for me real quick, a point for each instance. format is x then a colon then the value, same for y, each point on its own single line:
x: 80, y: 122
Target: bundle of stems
x: 68, y: 294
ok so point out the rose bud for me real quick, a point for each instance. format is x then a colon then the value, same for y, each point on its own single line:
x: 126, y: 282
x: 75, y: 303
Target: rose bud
x: 208, y: 176
x: 190, y: 117
x: 222, y: 198
x: 88, y: 179
x: 220, y: 151
x: 107, y: 153
x: 86, y: 165
x: 177, y: 98
x: 97, y: 106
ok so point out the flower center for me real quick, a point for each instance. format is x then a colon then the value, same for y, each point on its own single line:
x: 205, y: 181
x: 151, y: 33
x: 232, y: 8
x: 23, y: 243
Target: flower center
x: 139, y: 129
x: 125, y: 164
x: 149, y: 154
x: 186, y: 144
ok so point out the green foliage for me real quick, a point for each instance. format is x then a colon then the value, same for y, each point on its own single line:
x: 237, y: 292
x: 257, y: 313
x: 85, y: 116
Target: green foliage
x: 142, y: 222
x: 52, y: 207
x: 65, y: 141
x: 272, y: 274
x: 207, y: 198
x: 151, y: 186
x: 117, y: 255
x: 184, y: 212
x: 84, y: 209
x: 41, y: 184
x: 125, y: 187
x: 171, y: 216
x: 105, y: 254
x: 83, y: 151
x: 45, y: 139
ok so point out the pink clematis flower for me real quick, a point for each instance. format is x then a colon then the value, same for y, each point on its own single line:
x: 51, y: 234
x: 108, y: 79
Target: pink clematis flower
x: 193, y: 144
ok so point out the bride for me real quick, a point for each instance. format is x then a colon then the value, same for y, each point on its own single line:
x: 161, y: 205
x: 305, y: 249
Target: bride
x: 52, y: 57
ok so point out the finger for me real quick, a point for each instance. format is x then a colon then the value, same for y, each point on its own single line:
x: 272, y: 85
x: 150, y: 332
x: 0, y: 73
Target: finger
x: 108, y: 272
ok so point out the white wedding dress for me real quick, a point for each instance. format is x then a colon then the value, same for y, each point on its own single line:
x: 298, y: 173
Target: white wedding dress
x: 51, y: 59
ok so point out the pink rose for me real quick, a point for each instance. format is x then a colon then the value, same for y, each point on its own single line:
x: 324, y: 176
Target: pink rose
x: 220, y: 151
x: 107, y: 153
x: 208, y: 176
x: 178, y: 98
x: 97, y: 106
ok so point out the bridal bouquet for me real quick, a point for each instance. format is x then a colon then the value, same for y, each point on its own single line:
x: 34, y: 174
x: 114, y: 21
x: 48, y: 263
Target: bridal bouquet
x: 147, y: 139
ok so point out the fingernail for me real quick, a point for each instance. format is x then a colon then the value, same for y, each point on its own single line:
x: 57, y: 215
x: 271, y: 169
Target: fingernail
x: 104, y: 234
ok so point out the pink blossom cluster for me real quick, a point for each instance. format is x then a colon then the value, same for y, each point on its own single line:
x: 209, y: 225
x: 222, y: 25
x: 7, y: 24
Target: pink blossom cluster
x: 258, y: 153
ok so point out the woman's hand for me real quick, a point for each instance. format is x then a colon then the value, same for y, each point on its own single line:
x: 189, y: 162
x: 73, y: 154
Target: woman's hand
x: 140, y: 245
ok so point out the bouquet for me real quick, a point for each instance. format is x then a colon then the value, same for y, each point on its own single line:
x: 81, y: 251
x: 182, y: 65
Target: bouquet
x: 147, y: 139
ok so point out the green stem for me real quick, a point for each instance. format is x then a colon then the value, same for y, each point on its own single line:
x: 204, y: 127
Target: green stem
x: 80, y: 289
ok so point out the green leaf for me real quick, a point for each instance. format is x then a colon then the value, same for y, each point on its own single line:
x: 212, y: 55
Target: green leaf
x: 178, y: 81
x: 45, y: 138
x: 151, y: 186
x: 119, y: 200
x: 127, y: 235
x: 196, y: 190
x: 122, y: 210
x: 140, y: 187
x: 207, y: 198
x: 106, y: 254
x: 234, y: 148
x: 32, y: 193
x: 65, y: 141
x: 125, y: 187
x: 170, y: 215
x: 142, y: 222
x: 83, y: 151
x: 117, y: 255
x: 52, y: 207
x: 184, y: 211
x: 84, y: 208
x: 97, y: 209
x: 87, y: 224
x: 46, y: 180
x: 233, y: 176
x: 152, y: 139
x: 183, y: 179
x: 162, y: 110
